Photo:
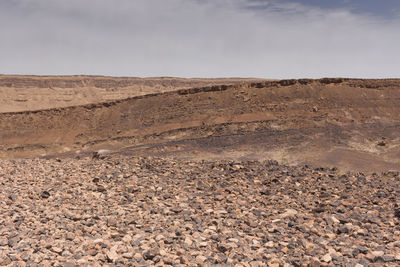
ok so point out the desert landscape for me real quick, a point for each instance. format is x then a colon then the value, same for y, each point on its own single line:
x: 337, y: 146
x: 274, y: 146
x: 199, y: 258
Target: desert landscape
x: 107, y: 171
x: 351, y: 124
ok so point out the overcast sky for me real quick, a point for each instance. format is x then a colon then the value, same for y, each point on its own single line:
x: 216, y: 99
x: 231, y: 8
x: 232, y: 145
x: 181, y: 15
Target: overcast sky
x: 201, y: 38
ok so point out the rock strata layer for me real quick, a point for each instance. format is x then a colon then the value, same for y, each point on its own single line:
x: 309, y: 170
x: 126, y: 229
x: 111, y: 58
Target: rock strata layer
x: 349, y: 123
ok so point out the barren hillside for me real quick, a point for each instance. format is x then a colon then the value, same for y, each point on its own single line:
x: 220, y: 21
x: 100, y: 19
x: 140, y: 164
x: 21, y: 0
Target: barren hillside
x: 22, y: 93
x: 349, y: 123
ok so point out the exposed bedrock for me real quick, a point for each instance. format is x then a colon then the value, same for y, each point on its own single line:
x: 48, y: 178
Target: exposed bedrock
x: 291, y: 120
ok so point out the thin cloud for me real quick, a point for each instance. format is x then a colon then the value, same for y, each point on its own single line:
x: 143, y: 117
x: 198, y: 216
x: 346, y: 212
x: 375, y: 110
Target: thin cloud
x: 191, y: 38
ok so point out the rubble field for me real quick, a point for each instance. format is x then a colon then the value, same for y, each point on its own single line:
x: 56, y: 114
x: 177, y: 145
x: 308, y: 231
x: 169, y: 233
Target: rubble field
x: 119, y: 210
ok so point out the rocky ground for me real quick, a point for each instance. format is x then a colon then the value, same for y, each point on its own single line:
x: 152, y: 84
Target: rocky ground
x: 129, y: 211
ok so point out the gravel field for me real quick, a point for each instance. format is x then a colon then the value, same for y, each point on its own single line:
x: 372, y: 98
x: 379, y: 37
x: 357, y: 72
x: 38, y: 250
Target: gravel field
x: 129, y: 211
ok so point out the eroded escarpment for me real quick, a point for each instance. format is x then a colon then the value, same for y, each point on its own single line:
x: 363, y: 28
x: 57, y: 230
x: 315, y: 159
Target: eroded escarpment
x: 22, y: 93
x: 324, y: 121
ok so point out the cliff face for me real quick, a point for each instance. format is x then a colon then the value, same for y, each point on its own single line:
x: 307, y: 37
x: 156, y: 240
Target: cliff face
x: 22, y: 93
x: 328, y: 121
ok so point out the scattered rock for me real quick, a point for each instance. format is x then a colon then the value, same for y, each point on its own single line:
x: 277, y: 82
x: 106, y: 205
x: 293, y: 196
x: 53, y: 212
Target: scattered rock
x: 326, y: 258
x: 112, y: 255
x: 222, y: 248
x: 57, y: 250
x: 45, y: 194
x: 150, y: 254
x: 290, y: 213
x: 381, y: 143
x: 204, y: 213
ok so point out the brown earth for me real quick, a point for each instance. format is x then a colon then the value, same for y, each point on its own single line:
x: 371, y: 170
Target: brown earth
x: 22, y: 93
x: 352, y: 124
x: 76, y: 191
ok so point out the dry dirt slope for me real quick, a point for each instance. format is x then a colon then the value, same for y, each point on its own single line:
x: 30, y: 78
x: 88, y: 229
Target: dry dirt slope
x: 22, y: 93
x: 349, y: 123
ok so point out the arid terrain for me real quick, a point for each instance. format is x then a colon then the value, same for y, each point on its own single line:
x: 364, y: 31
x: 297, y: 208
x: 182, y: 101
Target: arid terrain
x: 346, y: 123
x: 23, y: 93
x: 132, y: 211
x: 102, y: 171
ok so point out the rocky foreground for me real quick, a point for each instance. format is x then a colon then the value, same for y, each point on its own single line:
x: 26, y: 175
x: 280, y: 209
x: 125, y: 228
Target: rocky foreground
x: 127, y: 211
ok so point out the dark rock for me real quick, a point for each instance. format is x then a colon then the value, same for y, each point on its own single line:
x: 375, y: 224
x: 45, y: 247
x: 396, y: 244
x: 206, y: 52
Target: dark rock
x: 318, y: 210
x: 132, y: 189
x: 381, y: 143
x: 101, y: 189
x: 331, y: 80
x: 287, y: 82
x: 176, y: 209
x: 45, y: 194
x: 343, y: 230
x: 220, y: 258
x: 222, y: 248
x: 305, y: 81
x: 12, y: 197
x: 397, y: 213
x: 265, y: 192
x: 150, y: 254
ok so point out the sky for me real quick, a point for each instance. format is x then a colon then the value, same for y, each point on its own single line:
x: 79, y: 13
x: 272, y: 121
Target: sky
x: 201, y: 38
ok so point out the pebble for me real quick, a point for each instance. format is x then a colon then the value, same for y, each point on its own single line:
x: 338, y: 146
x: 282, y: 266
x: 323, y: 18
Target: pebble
x: 128, y: 211
x: 378, y: 253
x: 45, y: 194
x: 289, y: 213
x: 326, y: 258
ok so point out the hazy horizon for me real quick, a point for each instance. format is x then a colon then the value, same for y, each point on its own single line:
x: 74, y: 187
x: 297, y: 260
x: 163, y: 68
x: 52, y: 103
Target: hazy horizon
x: 199, y: 39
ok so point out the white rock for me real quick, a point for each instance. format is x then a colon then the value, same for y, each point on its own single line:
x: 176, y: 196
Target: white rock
x: 378, y: 253
x: 289, y: 213
x: 334, y: 219
x: 103, y: 151
x: 127, y: 239
x: 270, y: 244
x: 203, y: 244
x: 128, y: 255
x: 160, y: 237
x: 326, y: 258
x: 188, y: 241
